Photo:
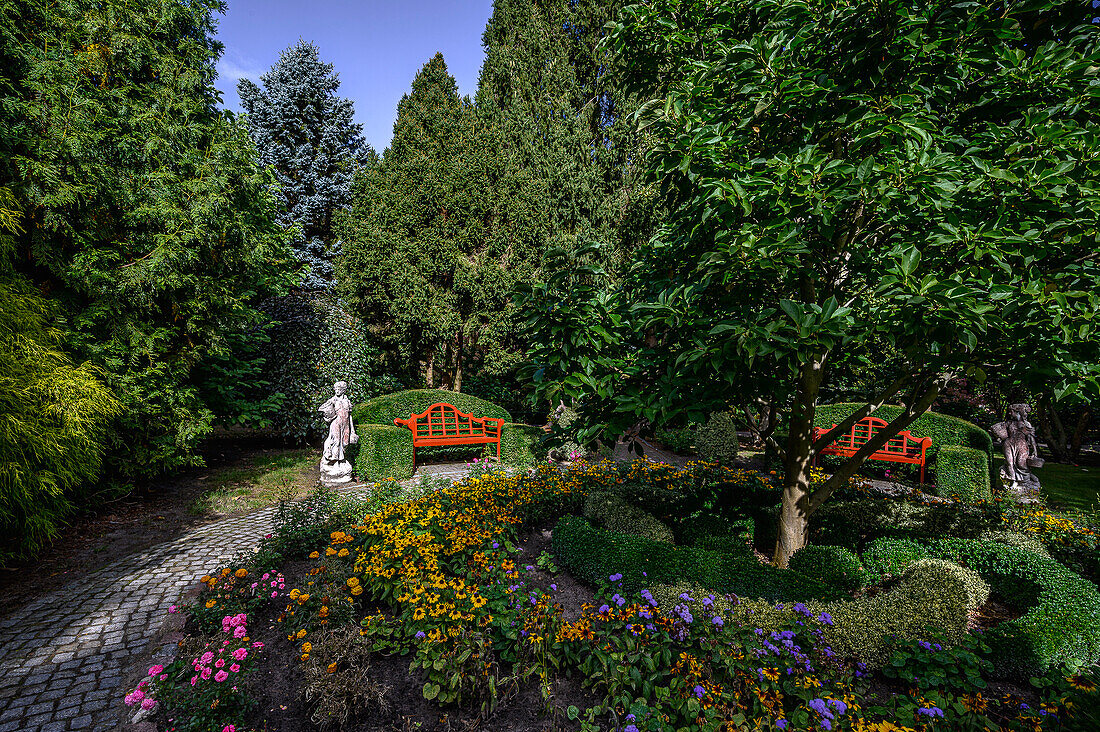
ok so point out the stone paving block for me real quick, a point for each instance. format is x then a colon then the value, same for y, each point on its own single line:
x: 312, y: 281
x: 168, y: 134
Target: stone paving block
x: 15, y: 726
x: 55, y: 727
x: 82, y: 722
x: 40, y: 708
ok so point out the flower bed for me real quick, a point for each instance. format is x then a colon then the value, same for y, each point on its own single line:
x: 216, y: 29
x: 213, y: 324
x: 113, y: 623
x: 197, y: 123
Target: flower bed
x: 441, y: 603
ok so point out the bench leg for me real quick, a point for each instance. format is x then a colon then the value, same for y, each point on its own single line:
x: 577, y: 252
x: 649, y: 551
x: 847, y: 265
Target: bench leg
x: 922, y: 473
x: 498, y: 450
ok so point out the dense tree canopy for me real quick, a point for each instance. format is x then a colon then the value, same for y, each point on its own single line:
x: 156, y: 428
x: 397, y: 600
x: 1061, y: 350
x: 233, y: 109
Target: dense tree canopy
x: 142, y: 214
x: 306, y: 134
x: 888, y: 181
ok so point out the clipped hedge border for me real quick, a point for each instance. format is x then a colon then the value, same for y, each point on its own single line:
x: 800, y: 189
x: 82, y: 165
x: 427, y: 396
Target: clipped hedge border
x: 888, y: 557
x: 386, y: 408
x: 382, y: 452
x: 963, y: 473
x: 1063, y: 617
x: 593, y: 554
x: 611, y: 512
x: 836, y: 566
x: 518, y: 443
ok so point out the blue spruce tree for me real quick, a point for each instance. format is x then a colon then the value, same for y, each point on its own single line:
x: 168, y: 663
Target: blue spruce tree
x: 306, y: 133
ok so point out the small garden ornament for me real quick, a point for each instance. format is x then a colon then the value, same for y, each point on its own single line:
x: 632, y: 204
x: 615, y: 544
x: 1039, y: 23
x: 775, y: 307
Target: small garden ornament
x: 1017, y: 437
x: 335, y: 467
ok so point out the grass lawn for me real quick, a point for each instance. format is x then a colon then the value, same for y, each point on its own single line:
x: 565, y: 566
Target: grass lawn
x: 1066, y: 486
x: 262, y: 481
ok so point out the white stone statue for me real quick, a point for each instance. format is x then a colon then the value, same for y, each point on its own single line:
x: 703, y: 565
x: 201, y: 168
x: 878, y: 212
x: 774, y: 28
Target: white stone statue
x: 1017, y: 437
x: 335, y: 468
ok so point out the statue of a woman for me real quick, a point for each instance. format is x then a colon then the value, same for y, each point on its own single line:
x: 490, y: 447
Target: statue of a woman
x: 335, y: 468
x: 1017, y: 437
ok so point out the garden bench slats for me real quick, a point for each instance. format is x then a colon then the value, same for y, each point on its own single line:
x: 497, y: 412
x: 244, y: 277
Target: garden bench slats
x: 902, y: 448
x: 444, y: 424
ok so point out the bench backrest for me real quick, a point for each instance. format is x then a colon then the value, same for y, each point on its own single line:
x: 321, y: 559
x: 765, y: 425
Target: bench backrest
x: 444, y: 420
x: 866, y: 428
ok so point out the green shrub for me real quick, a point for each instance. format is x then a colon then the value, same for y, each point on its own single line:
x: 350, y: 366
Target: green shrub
x: 611, y: 512
x: 399, y: 405
x: 382, y: 452
x: 716, y: 441
x: 977, y: 589
x: 1062, y: 621
x: 833, y: 565
x: 708, y: 531
x: 855, y: 523
x: 963, y: 473
x: 925, y: 605
x: 1018, y: 540
x: 677, y: 439
x: 593, y: 554
x: 887, y: 557
x: 519, y: 443
x: 942, y: 428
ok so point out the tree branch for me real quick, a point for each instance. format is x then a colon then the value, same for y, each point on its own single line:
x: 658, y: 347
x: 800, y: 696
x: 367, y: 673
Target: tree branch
x: 864, y: 411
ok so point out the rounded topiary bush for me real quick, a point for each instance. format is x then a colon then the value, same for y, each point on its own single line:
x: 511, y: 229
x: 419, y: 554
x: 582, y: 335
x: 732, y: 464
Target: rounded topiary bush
x: 977, y: 589
x: 716, y: 441
x: 833, y: 565
x: 888, y: 557
x: 614, y: 514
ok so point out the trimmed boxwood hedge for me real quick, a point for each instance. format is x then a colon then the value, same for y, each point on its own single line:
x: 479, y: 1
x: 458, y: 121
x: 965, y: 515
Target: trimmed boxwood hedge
x: 1063, y: 617
x: 382, y: 452
x: 385, y: 450
x: 611, y: 512
x: 833, y: 565
x: 963, y: 473
x: 888, y: 557
x: 399, y: 405
x: 594, y: 554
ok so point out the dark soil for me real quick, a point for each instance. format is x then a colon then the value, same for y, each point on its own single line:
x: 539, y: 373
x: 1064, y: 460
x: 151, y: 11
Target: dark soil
x: 993, y: 613
x: 151, y: 514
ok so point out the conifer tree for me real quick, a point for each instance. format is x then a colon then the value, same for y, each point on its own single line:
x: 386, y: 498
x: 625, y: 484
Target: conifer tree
x: 306, y: 133
x: 437, y: 237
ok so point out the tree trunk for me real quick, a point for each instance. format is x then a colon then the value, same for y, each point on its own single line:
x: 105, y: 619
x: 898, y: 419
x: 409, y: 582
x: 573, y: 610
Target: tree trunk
x: 1079, y: 433
x: 458, y: 364
x: 431, y: 367
x: 794, y: 516
x: 1052, y: 430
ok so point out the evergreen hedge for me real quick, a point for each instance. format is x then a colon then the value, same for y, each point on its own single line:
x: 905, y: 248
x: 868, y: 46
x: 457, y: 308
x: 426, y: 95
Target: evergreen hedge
x: 519, y: 444
x: 889, y: 556
x: 1062, y: 621
x: 611, y: 512
x: 382, y: 452
x: 963, y: 473
x: 836, y: 566
x: 594, y: 554
x: 399, y: 405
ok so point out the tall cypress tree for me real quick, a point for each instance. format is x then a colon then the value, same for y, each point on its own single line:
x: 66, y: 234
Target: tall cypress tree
x: 438, y: 235
x: 306, y: 132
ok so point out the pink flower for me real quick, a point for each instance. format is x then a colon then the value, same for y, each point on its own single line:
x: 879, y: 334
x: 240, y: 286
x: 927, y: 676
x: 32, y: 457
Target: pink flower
x: 229, y: 728
x: 257, y: 644
x: 240, y: 654
x: 173, y: 609
x: 206, y: 658
x: 129, y: 699
x: 255, y: 585
x: 274, y: 593
x: 194, y: 679
x: 148, y: 703
x: 163, y: 677
x: 154, y: 670
x: 137, y: 694
x: 205, y: 673
x: 240, y: 632
x: 266, y: 575
x: 221, y: 676
x: 235, y: 668
x: 219, y: 663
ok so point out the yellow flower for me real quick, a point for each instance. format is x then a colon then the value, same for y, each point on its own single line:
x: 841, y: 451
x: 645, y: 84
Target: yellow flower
x: 294, y: 593
x: 314, y: 555
x: 211, y: 603
x: 357, y: 590
x: 307, y: 647
x: 241, y: 573
x: 352, y: 581
x: 300, y: 634
x: 342, y: 552
x: 303, y: 598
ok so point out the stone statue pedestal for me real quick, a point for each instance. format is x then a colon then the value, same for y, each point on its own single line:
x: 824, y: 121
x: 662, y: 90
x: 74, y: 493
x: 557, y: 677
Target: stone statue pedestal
x: 334, y: 474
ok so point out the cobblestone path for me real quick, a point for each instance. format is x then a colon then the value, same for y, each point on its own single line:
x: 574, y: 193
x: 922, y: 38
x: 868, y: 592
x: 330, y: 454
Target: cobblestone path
x: 63, y: 654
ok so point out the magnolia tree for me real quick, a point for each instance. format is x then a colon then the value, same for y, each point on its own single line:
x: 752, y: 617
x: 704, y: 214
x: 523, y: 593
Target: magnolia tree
x: 905, y: 186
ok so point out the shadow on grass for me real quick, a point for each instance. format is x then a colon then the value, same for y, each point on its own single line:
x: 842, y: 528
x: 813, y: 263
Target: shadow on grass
x: 263, y: 481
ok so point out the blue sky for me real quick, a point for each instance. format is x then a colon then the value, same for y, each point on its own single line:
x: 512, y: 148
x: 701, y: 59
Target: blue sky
x: 377, y: 46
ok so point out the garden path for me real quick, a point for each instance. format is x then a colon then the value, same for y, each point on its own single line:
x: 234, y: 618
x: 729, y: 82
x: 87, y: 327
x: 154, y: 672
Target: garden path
x: 65, y: 653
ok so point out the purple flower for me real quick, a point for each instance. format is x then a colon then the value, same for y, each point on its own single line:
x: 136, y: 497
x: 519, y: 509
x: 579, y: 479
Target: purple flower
x: 717, y: 620
x: 554, y: 587
x: 605, y: 609
x: 825, y: 618
x: 782, y: 724
x: 699, y: 691
x: 618, y: 599
x: 615, y: 577
x: 934, y: 711
x: 840, y: 706
x: 530, y: 568
x: 630, y: 728
x: 496, y: 545
x: 419, y: 634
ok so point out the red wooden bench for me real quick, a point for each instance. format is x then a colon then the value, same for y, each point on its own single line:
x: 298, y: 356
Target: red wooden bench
x: 902, y: 448
x: 443, y: 424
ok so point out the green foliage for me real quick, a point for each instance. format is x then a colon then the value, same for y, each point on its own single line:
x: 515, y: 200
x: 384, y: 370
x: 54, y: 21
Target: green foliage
x: 593, y: 554
x: 963, y: 473
x: 54, y: 417
x: 316, y: 342
x: 717, y: 533
x: 677, y: 439
x: 833, y: 565
x: 611, y: 512
x: 930, y: 665
x: 854, y: 523
x: 1062, y: 621
x: 716, y: 440
x: 399, y: 405
x: 944, y: 429
x: 888, y: 557
x: 382, y: 452
x: 977, y: 589
x: 519, y: 444
x: 1019, y: 540
x: 145, y: 217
